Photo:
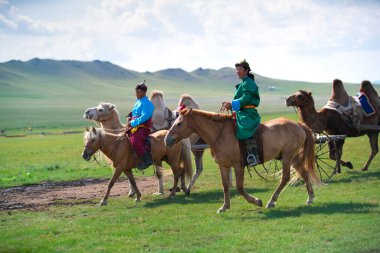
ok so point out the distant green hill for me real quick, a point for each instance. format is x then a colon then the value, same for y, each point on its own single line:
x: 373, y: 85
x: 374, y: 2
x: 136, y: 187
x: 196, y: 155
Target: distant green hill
x: 50, y: 93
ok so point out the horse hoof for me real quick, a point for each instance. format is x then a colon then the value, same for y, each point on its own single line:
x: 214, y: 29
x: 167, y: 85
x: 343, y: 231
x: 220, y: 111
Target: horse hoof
x: 137, y: 200
x: 177, y: 189
x: 349, y: 165
x: 309, y: 202
x: 187, y: 192
x: 364, y: 169
x: 131, y: 194
x: 171, y: 196
x: 103, y: 203
x: 270, y: 205
x: 221, y: 210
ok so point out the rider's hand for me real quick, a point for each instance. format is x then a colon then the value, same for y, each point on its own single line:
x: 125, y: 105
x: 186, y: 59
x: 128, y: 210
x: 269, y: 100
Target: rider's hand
x: 227, y: 105
x: 129, y: 124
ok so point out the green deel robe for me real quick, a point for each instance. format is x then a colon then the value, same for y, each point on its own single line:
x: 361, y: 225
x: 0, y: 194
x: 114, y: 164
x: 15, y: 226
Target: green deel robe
x: 247, y: 119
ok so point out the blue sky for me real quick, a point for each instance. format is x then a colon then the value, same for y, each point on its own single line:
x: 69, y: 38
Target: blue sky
x: 294, y: 39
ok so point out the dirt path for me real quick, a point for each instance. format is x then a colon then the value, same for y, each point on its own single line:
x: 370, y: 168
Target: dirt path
x: 86, y: 191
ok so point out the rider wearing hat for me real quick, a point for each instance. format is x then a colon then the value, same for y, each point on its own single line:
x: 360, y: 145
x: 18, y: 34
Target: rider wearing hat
x: 139, y: 124
x: 245, y: 102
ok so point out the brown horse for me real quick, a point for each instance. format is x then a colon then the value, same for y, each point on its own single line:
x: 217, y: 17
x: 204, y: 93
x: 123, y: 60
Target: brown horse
x: 332, y: 123
x: 294, y: 141
x: 119, y: 150
x: 107, y: 116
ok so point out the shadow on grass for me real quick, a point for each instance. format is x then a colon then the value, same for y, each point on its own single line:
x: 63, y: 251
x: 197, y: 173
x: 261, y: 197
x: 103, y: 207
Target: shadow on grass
x: 215, y: 196
x: 327, y: 209
x: 354, y: 175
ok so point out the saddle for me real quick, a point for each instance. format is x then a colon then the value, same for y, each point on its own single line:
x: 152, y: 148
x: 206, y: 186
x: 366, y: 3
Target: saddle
x: 260, y: 151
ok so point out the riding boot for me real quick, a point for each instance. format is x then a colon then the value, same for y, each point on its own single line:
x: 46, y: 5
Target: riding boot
x: 252, y: 152
x: 145, y: 161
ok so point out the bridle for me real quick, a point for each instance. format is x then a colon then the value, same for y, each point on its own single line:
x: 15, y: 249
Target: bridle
x: 115, y: 148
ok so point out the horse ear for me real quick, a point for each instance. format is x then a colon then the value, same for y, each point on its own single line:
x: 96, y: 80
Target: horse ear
x: 93, y: 130
x: 112, y: 107
x: 87, y: 129
x: 309, y: 93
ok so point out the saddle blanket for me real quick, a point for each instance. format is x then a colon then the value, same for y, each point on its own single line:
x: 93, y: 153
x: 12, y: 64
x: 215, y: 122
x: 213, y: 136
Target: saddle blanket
x: 363, y: 100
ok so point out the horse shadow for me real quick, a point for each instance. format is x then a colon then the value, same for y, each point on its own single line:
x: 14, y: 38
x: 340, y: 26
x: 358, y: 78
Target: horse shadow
x: 327, y: 209
x: 209, y: 197
x: 355, y: 175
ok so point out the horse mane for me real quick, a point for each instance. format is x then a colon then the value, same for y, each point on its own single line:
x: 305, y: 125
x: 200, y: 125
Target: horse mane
x: 210, y: 115
x: 186, y: 99
x: 156, y: 93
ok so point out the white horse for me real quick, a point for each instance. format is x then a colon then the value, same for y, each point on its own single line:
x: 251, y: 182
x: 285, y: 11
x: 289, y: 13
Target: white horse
x: 162, y: 119
x: 108, y: 118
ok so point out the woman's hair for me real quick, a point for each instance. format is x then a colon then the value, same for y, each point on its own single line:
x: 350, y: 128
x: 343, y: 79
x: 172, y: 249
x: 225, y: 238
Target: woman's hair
x: 250, y: 75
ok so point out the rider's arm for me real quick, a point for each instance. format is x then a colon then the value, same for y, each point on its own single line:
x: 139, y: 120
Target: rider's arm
x: 146, y: 114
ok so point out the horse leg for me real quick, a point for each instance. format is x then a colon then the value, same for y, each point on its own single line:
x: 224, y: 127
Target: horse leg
x: 230, y: 178
x: 158, y: 171
x: 115, y: 176
x: 309, y: 188
x: 284, y: 180
x: 373, y: 140
x: 133, y: 183
x: 227, y: 202
x: 132, y: 191
x: 183, y: 183
x: 198, y: 157
x: 176, y: 175
x: 239, y: 174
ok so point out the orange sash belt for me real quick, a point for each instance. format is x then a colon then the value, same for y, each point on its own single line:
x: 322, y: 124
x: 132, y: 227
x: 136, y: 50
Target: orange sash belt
x: 249, y: 106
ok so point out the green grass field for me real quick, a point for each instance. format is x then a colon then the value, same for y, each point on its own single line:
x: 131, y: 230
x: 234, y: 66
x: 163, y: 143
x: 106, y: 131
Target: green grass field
x: 51, y: 96
x: 344, y: 218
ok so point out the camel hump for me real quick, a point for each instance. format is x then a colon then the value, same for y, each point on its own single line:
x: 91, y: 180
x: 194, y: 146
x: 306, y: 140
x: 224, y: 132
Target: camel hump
x: 339, y: 93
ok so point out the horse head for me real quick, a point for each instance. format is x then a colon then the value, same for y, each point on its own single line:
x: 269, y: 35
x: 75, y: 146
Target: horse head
x: 92, y: 143
x: 300, y: 98
x: 181, y: 128
x: 102, y: 112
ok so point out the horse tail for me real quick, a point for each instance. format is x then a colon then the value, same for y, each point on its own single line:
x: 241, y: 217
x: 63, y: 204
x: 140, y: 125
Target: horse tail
x: 186, y: 158
x: 308, y: 156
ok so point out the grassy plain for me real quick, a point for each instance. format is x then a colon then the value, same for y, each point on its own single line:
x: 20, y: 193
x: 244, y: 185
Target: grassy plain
x: 344, y: 218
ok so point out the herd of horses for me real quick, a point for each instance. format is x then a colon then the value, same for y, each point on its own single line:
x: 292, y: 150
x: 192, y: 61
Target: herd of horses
x: 187, y: 129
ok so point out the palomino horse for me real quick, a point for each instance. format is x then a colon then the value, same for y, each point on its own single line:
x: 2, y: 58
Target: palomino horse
x: 108, y: 118
x: 119, y: 150
x: 331, y: 122
x: 163, y: 119
x: 294, y: 141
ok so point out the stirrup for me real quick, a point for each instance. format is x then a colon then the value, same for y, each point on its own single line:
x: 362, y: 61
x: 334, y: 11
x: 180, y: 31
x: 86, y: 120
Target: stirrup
x: 252, y: 160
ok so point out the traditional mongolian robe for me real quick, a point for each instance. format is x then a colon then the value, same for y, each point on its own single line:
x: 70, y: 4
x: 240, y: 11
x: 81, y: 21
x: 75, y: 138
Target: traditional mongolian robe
x: 245, y: 101
x: 141, y: 123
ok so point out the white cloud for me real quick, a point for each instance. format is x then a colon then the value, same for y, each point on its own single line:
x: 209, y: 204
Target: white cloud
x: 296, y: 39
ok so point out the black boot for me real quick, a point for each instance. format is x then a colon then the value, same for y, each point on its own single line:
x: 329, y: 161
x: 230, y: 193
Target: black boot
x: 252, y: 152
x: 146, y: 161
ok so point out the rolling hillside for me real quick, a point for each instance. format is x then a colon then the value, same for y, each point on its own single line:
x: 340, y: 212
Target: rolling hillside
x: 50, y: 93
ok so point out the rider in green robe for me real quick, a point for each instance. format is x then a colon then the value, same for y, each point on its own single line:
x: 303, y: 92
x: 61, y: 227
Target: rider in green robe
x: 245, y: 102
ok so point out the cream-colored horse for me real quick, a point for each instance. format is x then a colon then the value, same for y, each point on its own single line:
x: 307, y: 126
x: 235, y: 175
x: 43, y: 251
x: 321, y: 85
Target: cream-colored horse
x: 107, y: 116
x: 163, y: 119
x: 119, y: 150
x: 294, y: 141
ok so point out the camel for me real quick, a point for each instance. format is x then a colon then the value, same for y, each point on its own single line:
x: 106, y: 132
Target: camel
x: 331, y: 122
